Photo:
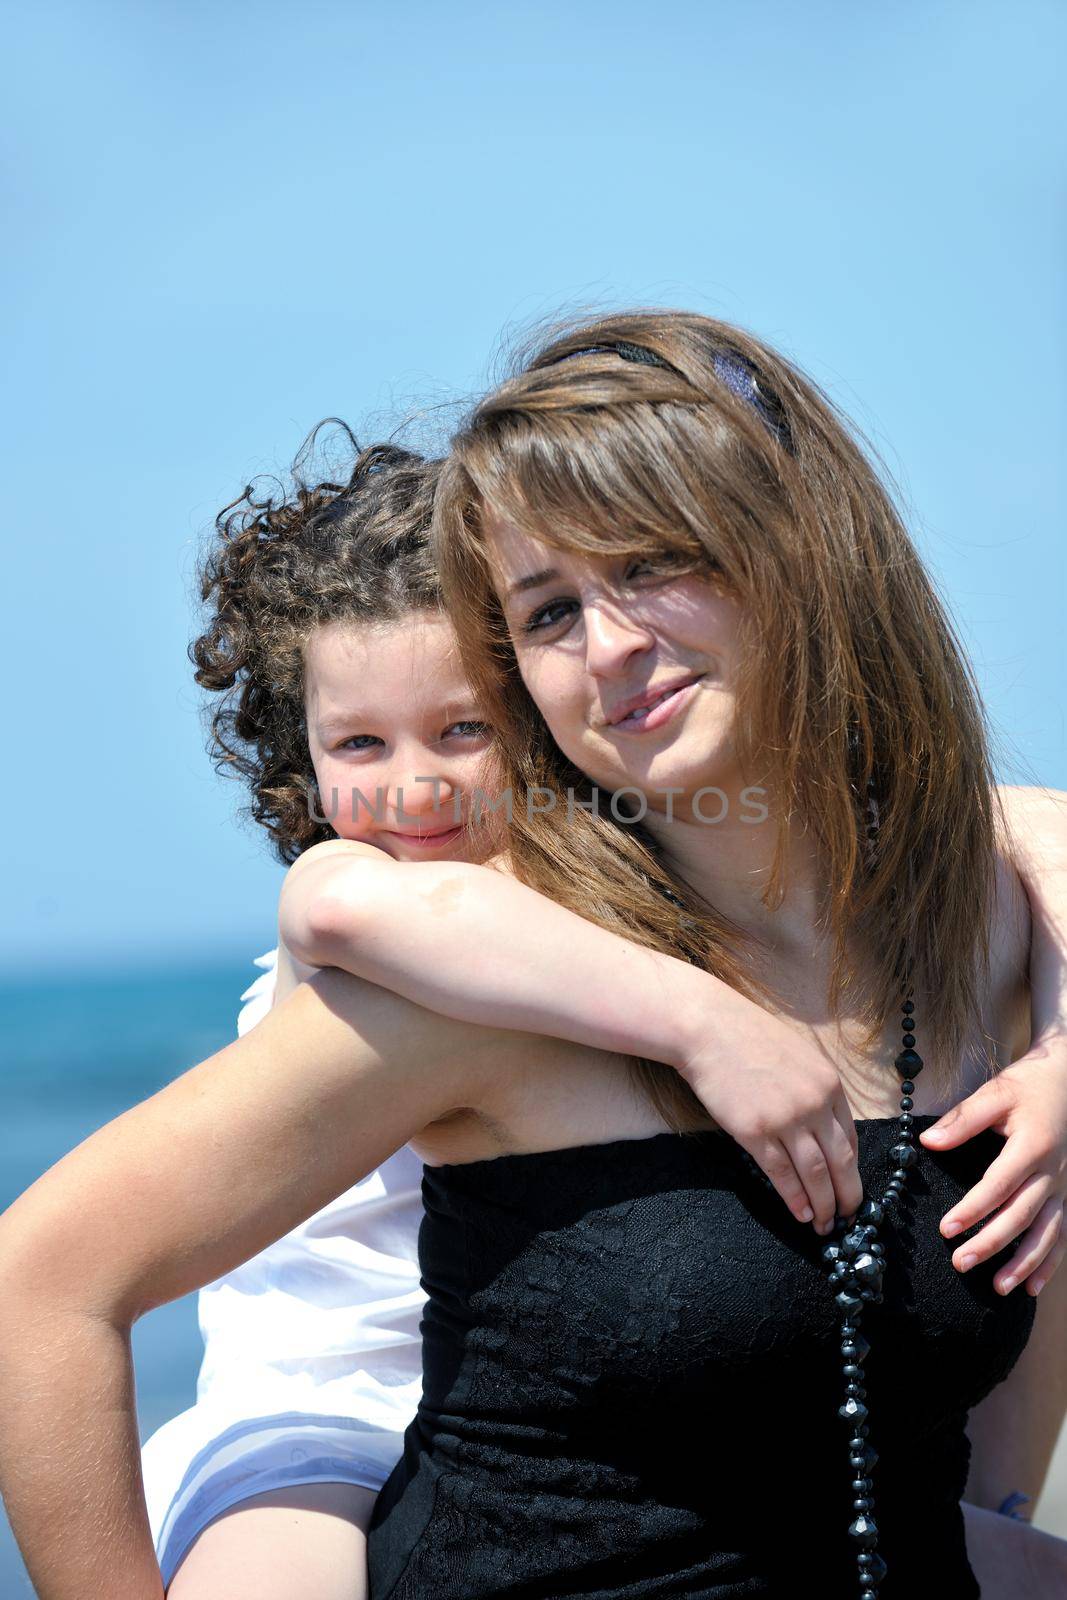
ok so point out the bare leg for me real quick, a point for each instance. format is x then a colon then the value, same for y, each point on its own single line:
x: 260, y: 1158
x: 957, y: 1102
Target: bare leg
x: 304, y: 1543
x: 1012, y: 1560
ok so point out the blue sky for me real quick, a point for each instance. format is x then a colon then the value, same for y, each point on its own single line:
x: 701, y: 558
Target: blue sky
x: 225, y: 222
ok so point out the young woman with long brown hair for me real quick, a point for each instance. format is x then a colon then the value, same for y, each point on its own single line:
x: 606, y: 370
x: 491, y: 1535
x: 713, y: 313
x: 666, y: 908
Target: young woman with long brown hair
x: 610, y: 1286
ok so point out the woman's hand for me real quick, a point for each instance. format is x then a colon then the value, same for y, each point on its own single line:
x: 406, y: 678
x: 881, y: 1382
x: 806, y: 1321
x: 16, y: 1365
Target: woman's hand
x: 782, y: 1100
x: 1026, y: 1186
x: 1012, y: 1560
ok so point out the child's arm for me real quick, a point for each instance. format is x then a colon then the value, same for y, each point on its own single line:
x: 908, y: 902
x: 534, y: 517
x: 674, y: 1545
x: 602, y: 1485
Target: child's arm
x: 1026, y: 1186
x: 475, y: 944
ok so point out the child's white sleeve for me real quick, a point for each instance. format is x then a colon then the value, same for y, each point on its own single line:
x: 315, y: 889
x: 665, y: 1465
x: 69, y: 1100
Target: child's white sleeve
x: 259, y: 996
x: 312, y: 1353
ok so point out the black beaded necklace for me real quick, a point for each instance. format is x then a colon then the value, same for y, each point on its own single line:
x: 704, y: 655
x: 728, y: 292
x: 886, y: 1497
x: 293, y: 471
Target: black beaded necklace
x: 856, y: 1263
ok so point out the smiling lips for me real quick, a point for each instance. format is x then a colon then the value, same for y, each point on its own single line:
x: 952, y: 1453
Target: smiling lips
x: 644, y: 703
x: 428, y: 838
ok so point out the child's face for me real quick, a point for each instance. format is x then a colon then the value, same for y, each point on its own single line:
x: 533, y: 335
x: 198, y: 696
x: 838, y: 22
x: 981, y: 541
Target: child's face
x: 387, y: 705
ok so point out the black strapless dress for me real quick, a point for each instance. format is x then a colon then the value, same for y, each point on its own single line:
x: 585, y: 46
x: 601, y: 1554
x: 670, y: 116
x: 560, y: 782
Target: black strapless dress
x: 631, y: 1378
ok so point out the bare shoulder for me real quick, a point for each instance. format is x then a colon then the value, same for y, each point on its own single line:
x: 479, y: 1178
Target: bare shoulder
x: 1005, y: 1011
x: 1011, y: 925
x: 1032, y: 818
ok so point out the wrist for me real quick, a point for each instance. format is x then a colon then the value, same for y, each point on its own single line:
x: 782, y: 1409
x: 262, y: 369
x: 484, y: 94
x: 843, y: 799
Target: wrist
x: 703, y: 1010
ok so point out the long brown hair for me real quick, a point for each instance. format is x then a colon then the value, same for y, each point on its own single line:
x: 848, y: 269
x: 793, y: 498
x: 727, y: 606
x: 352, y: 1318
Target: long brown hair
x: 851, y: 671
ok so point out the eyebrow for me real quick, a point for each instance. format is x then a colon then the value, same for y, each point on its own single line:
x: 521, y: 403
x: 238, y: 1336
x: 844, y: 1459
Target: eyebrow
x: 533, y: 580
x: 341, y: 722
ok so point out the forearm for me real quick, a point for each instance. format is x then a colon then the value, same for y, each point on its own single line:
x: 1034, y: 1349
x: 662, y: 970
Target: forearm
x: 70, y: 1463
x: 1037, y: 829
x: 1015, y: 1429
x: 478, y: 946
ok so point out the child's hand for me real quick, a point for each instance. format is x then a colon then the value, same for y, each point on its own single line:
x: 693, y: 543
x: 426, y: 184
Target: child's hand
x: 1027, y: 1103
x: 782, y: 1100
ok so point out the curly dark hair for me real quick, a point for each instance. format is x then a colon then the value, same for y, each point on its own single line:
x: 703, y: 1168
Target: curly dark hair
x: 281, y: 564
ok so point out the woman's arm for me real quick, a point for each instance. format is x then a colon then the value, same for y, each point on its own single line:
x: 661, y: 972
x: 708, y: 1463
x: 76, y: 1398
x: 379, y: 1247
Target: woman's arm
x: 479, y: 946
x: 170, y: 1196
x: 1015, y: 1429
x: 1013, y: 1434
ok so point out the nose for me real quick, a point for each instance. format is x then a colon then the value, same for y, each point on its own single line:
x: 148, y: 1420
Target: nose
x: 612, y: 638
x: 418, y: 787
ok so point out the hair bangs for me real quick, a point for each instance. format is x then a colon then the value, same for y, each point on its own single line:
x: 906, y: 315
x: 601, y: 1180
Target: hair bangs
x: 594, y: 482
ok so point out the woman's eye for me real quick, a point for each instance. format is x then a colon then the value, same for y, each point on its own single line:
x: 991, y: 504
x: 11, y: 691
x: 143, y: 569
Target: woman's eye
x: 664, y: 565
x: 540, y: 618
x: 479, y: 727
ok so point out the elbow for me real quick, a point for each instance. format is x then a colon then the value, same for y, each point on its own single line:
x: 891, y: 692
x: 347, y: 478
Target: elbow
x: 330, y: 930
x: 327, y: 904
x: 49, y: 1278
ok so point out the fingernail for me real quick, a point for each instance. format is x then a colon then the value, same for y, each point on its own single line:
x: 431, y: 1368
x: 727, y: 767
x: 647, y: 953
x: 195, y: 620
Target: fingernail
x: 1007, y: 1285
x: 824, y: 1227
x: 807, y: 1214
x: 1039, y: 1285
x: 966, y: 1262
x: 950, y: 1229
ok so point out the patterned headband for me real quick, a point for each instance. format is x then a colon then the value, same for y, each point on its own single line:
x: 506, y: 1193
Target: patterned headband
x: 735, y: 371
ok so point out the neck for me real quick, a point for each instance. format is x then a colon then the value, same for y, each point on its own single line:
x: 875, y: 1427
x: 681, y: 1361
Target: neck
x: 728, y: 862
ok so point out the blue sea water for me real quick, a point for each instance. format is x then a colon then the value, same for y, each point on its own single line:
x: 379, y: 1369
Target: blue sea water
x: 76, y: 1051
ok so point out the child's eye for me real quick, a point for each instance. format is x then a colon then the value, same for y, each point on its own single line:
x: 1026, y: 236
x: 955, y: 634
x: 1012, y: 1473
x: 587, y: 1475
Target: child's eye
x: 353, y: 742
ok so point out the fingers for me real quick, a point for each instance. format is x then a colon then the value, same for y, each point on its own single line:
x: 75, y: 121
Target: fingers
x: 816, y: 1170
x: 1032, y: 1205
x: 979, y: 1111
x: 1037, y: 1280
x: 1034, y: 1247
x: 776, y: 1162
x: 1001, y: 1180
x: 845, y: 1169
x: 815, y: 1174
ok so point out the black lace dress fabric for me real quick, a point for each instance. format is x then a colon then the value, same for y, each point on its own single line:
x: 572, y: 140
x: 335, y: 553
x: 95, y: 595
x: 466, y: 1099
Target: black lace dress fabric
x: 631, y: 1375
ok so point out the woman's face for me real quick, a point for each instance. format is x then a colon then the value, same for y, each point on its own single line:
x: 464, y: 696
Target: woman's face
x: 393, y: 727
x: 594, y: 635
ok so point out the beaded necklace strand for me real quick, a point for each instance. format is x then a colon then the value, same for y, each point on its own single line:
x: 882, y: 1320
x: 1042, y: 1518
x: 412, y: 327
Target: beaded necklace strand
x: 856, y: 1263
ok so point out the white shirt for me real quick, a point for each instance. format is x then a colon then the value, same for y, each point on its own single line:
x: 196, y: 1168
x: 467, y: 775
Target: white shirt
x: 312, y: 1363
